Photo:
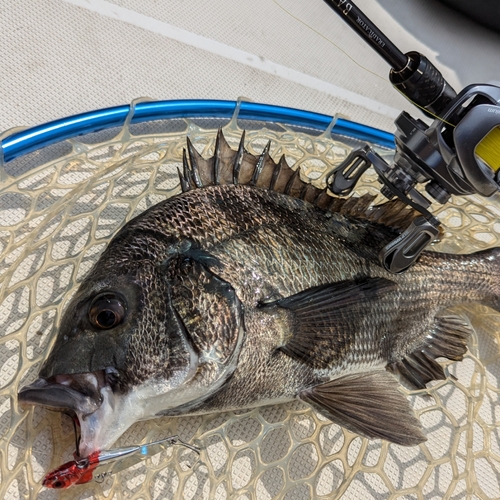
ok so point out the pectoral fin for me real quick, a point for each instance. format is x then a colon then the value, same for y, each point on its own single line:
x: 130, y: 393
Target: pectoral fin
x: 369, y: 404
x: 324, y: 319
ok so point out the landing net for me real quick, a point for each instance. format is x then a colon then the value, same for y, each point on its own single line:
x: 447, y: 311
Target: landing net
x: 55, y: 221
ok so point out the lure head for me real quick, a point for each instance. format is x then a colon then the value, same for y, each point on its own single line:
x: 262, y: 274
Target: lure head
x: 73, y: 472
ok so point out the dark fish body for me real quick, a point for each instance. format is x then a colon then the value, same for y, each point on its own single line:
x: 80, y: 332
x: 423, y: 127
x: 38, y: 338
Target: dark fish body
x: 250, y: 288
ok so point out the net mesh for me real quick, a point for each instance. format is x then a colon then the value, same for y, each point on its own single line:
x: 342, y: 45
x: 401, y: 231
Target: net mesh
x: 56, y: 219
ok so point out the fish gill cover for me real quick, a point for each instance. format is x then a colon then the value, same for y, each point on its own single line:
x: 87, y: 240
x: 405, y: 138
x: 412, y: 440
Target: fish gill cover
x: 55, y: 221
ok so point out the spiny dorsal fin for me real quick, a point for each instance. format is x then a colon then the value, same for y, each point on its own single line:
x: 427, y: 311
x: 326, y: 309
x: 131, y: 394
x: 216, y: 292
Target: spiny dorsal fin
x: 228, y: 166
x: 393, y: 213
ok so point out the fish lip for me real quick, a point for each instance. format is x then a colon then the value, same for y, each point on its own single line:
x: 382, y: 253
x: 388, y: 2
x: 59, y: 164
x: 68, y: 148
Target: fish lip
x: 87, y: 398
x: 52, y: 394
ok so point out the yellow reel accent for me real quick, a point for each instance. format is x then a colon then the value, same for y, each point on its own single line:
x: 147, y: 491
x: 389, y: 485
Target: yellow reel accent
x: 488, y: 149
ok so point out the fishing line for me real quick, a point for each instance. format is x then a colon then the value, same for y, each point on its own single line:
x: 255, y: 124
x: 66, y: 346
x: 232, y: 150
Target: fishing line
x: 76, y: 425
x: 425, y: 110
x: 357, y: 63
x: 329, y: 41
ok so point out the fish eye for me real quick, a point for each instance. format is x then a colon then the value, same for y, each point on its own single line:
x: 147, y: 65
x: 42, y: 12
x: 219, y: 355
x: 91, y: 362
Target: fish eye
x: 106, y: 311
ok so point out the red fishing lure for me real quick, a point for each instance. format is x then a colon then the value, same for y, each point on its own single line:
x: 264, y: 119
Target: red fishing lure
x: 100, y: 464
x: 73, y: 472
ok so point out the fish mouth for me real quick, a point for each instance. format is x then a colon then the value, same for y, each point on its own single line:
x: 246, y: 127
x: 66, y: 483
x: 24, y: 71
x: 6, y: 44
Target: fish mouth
x: 101, y: 413
x: 86, y: 397
x: 80, y: 393
x: 103, y: 404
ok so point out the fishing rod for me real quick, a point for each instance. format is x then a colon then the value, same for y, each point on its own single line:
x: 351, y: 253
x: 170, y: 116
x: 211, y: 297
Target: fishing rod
x: 457, y: 154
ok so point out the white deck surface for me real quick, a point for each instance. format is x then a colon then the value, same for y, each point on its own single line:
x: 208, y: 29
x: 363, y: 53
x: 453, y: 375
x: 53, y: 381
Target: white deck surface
x: 61, y: 57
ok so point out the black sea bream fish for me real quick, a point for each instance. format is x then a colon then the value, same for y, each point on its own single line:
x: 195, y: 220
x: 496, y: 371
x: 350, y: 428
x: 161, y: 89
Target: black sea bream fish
x: 253, y: 288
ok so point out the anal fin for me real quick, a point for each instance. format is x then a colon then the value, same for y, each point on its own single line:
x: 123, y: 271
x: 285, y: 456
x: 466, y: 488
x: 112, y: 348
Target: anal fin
x: 447, y: 338
x: 369, y: 404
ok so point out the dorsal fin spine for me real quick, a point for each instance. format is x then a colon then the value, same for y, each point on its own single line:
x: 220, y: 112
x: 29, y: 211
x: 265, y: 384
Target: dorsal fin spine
x: 276, y: 173
x: 303, y: 192
x: 195, y: 171
x: 319, y: 196
x: 186, y: 170
x: 239, y: 159
x: 184, y: 184
x: 291, y: 182
x: 260, y: 164
x: 217, y: 153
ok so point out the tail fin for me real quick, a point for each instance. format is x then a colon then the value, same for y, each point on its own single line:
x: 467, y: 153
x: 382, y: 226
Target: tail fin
x: 467, y: 278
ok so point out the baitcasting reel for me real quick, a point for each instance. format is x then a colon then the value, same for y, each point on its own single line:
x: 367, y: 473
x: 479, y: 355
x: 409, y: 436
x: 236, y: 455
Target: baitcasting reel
x: 458, y: 154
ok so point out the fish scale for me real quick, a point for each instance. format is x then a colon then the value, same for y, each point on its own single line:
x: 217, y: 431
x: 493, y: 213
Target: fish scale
x: 252, y: 287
